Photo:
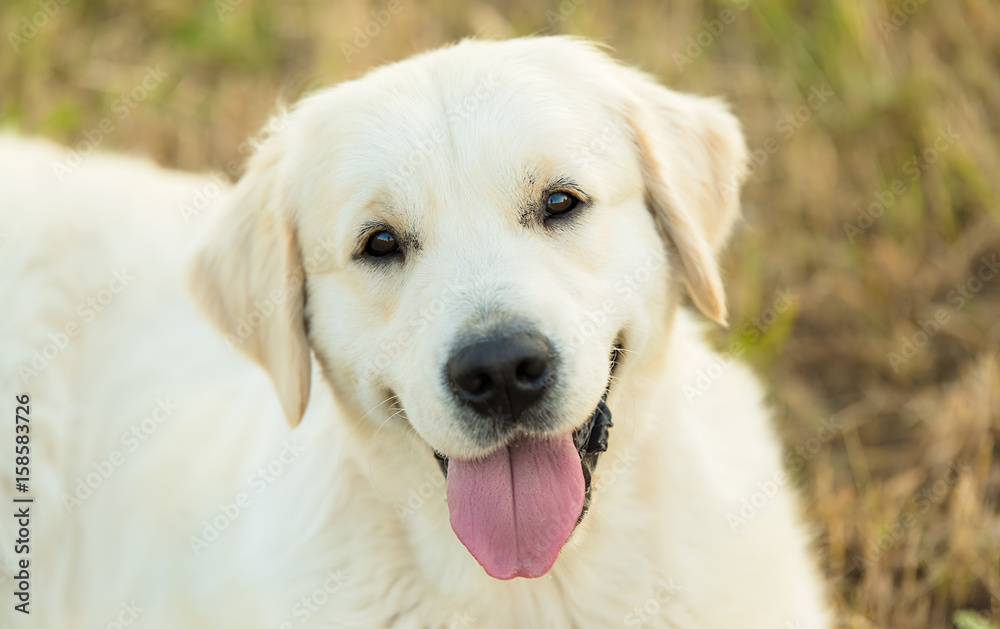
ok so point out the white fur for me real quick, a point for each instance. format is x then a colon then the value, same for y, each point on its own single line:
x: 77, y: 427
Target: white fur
x: 358, y: 507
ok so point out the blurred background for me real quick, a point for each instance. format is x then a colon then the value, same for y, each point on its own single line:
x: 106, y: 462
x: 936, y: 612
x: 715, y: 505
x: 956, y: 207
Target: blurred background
x: 864, y: 283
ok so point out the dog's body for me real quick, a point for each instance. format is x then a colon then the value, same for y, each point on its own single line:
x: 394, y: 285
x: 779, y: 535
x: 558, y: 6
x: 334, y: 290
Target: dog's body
x: 163, y: 477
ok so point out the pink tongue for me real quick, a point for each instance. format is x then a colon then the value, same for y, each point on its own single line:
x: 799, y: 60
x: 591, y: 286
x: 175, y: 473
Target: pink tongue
x: 515, y: 509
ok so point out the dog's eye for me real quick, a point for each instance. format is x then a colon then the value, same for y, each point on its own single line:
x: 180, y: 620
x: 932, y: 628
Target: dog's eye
x: 381, y: 244
x: 560, y: 202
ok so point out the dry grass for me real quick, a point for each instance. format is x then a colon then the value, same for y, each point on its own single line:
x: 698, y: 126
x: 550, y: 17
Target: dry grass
x: 906, y: 490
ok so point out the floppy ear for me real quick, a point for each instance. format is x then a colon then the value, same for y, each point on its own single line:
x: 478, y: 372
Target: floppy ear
x: 248, y: 279
x: 693, y: 157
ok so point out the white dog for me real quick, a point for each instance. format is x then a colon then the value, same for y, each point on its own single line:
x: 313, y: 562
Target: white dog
x: 443, y: 268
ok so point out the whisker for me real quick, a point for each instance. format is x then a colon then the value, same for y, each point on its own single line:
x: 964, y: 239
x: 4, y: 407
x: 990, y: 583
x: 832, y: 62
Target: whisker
x: 387, y: 419
x: 371, y: 473
x: 631, y: 396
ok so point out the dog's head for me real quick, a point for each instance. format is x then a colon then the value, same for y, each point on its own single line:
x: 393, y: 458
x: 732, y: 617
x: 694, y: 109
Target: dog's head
x: 466, y: 240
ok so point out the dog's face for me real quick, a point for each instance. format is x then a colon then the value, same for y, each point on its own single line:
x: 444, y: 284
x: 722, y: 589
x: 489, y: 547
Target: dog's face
x: 481, y: 267
x: 464, y: 240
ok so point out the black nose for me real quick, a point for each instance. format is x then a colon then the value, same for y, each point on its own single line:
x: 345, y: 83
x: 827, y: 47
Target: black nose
x: 502, y: 376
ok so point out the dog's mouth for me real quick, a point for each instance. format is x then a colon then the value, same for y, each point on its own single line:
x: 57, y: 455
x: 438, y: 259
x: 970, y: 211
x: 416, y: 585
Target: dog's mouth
x: 515, y: 509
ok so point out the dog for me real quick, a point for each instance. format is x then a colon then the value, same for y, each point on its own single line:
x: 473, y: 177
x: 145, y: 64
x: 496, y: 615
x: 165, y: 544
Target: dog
x: 460, y: 280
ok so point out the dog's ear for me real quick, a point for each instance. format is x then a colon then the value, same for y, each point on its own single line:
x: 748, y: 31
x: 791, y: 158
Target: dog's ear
x: 248, y: 278
x: 693, y: 157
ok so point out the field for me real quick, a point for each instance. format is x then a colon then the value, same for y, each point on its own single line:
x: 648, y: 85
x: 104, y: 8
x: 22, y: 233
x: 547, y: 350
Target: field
x: 873, y: 209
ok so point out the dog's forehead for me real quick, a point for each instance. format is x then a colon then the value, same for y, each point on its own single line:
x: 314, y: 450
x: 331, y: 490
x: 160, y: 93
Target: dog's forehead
x: 477, y: 114
x: 477, y: 131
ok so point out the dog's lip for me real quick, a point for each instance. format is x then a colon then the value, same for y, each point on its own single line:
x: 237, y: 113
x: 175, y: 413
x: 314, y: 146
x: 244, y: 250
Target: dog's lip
x: 581, y: 437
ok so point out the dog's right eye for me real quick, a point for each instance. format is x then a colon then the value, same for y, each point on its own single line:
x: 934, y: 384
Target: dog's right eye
x: 560, y: 202
x: 381, y: 244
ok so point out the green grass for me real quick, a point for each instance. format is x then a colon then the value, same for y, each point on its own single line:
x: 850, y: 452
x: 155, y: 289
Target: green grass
x: 857, y: 301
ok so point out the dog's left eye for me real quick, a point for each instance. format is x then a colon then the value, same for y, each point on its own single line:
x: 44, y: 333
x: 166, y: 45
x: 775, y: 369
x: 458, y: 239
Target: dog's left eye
x: 560, y: 202
x: 381, y: 243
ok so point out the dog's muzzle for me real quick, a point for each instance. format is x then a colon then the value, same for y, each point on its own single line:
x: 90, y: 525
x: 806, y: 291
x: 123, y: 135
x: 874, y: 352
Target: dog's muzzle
x: 590, y: 439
